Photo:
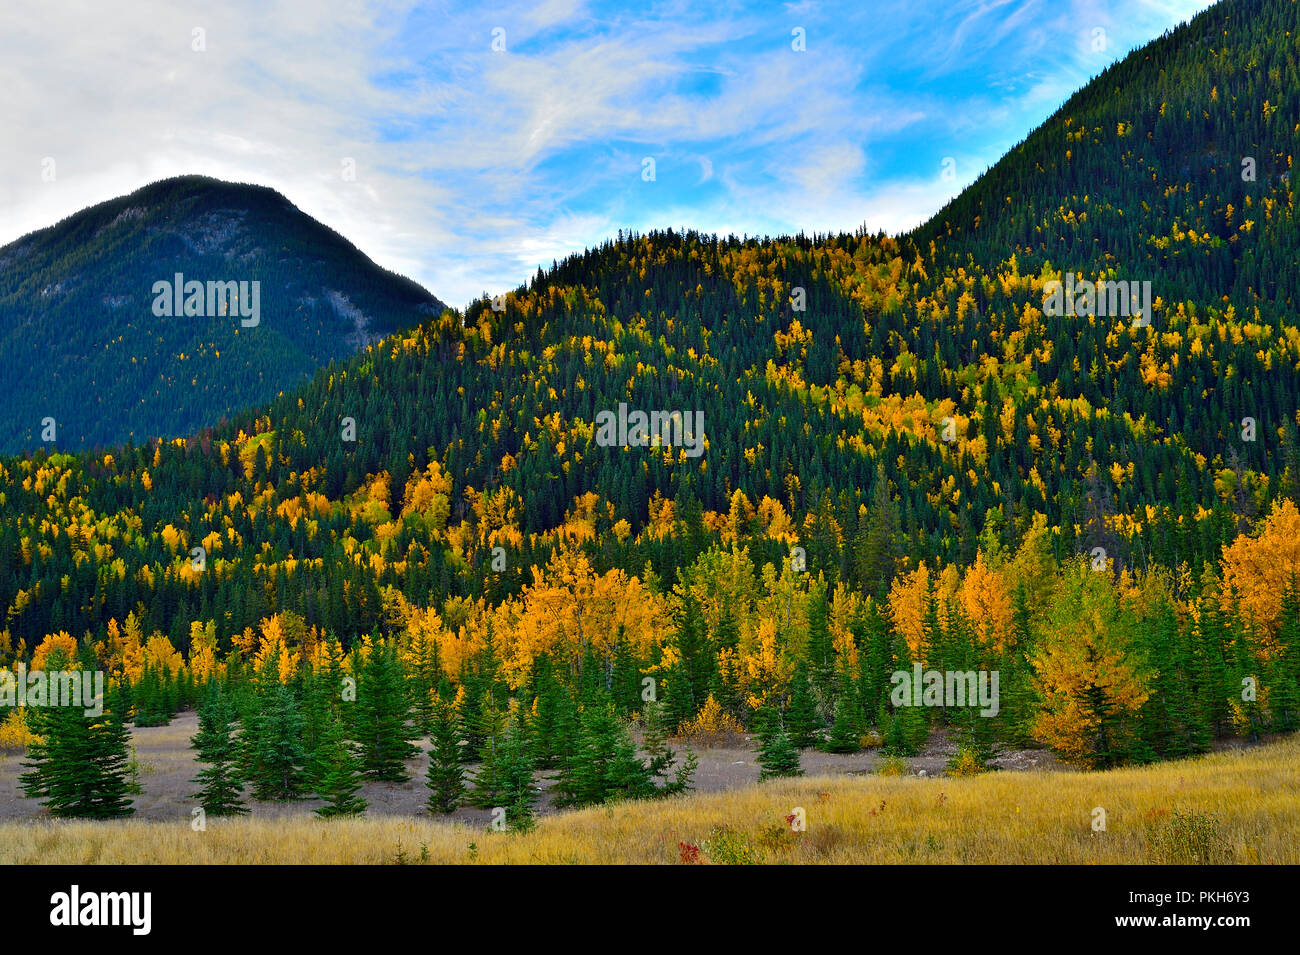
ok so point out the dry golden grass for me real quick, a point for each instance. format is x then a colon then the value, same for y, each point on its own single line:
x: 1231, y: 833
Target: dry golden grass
x: 1241, y: 806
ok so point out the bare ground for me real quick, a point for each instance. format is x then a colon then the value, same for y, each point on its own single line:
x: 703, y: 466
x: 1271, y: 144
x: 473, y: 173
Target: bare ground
x: 167, y: 771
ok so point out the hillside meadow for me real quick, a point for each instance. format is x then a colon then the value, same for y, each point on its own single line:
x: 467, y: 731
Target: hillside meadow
x: 1237, y: 806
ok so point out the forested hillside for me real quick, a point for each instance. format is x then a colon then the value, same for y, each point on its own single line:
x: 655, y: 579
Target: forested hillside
x: 908, y: 461
x: 80, y: 342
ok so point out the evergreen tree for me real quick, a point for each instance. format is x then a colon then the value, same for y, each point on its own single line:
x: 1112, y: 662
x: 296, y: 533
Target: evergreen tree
x: 604, y: 765
x: 820, y: 652
x: 340, y: 773
x: 516, y: 774
x: 79, y: 766
x: 801, y: 720
x: 492, y: 723
x: 846, y: 733
x: 279, y: 760
x: 662, y: 758
x: 446, y: 774
x: 221, y: 792
x: 777, y: 754
x: 382, y: 726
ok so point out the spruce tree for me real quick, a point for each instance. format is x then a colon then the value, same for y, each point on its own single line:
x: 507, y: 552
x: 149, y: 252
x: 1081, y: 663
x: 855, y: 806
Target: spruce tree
x: 820, y: 652
x: 845, y: 735
x: 516, y: 775
x: 661, y: 757
x: 79, y: 768
x: 777, y: 754
x: 604, y: 764
x: 491, y: 723
x: 216, y: 745
x: 801, y: 714
x: 446, y: 774
x: 279, y: 771
x: 382, y: 725
x: 340, y: 768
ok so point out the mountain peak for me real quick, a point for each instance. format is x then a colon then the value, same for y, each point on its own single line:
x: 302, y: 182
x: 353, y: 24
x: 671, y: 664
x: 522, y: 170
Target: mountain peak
x: 88, y: 327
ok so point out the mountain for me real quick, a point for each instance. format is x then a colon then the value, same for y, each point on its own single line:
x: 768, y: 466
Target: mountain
x: 912, y: 449
x: 81, y: 343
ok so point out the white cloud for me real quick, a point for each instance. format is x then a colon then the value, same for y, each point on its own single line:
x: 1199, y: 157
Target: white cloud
x: 474, y: 166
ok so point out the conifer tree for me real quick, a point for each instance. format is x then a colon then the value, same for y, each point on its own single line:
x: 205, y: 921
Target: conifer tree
x: 777, y: 754
x: 446, y: 774
x: 79, y: 765
x: 820, y: 653
x: 491, y: 722
x: 340, y: 773
x: 279, y: 760
x: 516, y: 765
x: 801, y: 719
x: 216, y: 745
x: 382, y: 724
x: 604, y: 764
x: 845, y: 735
x: 662, y: 758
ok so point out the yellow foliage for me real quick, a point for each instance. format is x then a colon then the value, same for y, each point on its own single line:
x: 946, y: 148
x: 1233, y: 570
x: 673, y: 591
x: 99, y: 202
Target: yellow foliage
x: 1260, y: 568
x: 712, y: 726
x: 14, y: 732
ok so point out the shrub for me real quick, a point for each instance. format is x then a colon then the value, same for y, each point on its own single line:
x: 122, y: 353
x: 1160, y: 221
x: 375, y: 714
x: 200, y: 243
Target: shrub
x: 726, y: 846
x: 966, y: 762
x: 1188, y: 838
x: 892, y: 766
x: 15, y: 735
x: 713, y: 726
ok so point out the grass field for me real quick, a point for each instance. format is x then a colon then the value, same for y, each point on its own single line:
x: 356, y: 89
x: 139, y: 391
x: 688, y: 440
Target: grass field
x: 1241, y: 806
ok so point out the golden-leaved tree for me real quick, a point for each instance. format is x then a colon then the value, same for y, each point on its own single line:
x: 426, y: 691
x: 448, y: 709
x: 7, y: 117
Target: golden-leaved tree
x: 1090, y: 672
x: 1258, y: 569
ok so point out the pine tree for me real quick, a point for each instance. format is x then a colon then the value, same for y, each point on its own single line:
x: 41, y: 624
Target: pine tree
x: 382, y: 724
x: 661, y: 757
x: 1283, y: 672
x: 604, y: 764
x: 79, y: 766
x: 821, y: 652
x: 801, y: 719
x: 846, y: 733
x: 777, y: 754
x: 554, y: 714
x: 516, y: 774
x: 340, y: 778
x: 446, y: 774
x: 216, y: 745
x: 491, y: 723
x: 279, y: 760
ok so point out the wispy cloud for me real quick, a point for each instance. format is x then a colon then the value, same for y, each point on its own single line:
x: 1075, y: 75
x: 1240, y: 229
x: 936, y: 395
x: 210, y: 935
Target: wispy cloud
x: 489, y: 141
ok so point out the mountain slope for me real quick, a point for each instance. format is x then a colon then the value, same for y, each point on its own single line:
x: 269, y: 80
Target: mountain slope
x: 926, y: 370
x: 80, y: 341
x: 907, y: 459
x: 1173, y: 165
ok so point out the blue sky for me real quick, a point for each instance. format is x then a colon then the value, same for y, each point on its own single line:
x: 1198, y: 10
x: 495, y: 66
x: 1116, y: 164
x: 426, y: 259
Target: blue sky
x: 475, y: 165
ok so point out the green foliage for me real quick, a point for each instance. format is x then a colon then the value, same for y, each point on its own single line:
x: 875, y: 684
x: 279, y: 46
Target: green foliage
x: 604, y: 765
x: 274, y: 759
x: 216, y: 745
x: 340, y: 776
x: 777, y: 754
x: 445, y: 776
x: 79, y: 768
x: 382, y: 722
